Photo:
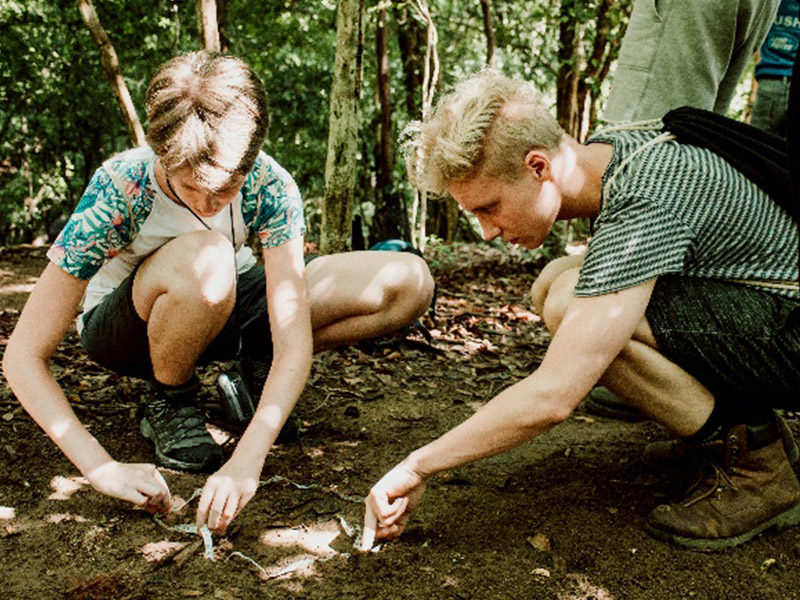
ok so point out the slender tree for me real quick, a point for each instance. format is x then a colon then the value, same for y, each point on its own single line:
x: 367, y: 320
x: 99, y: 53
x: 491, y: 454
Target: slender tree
x: 207, y: 27
x: 488, y: 29
x: 410, y: 38
x: 567, y: 109
x: 430, y: 76
x: 340, y: 168
x: 389, y: 220
x: 112, y: 70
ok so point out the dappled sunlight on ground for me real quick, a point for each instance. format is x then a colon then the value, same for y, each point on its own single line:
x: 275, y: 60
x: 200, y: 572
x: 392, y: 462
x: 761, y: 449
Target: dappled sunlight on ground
x: 314, y: 538
x: 585, y: 590
x: 64, y: 487
x: 219, y: 435
x: 156, y: 552
x: 56, y: 518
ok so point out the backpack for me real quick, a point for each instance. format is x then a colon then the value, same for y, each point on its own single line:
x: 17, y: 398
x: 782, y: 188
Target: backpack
x: 759, y: 155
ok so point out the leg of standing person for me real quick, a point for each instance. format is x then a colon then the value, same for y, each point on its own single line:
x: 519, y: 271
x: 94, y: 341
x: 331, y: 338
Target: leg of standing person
x: 769, y: 109
x: 685, y: 53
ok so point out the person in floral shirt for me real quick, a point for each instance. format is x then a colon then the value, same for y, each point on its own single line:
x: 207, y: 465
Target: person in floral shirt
x: 154, y: 258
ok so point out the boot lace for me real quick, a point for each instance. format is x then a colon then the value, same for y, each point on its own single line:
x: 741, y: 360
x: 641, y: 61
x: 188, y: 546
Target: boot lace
x: 711, y: 474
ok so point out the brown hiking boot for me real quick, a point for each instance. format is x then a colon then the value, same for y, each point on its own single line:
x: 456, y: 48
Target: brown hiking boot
x: 680, y: 456
x: 737, y: 494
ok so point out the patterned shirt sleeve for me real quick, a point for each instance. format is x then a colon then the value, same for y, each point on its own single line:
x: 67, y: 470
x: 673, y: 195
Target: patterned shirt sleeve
x: 635, y: 240
x: 96, y: 231
x: 272, y: 203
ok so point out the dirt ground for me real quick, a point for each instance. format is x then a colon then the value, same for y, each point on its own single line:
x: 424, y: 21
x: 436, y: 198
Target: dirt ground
x: 559, y: 518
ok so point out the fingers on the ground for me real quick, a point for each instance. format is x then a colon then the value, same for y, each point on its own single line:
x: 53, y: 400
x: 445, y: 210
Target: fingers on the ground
x: 370, y: 524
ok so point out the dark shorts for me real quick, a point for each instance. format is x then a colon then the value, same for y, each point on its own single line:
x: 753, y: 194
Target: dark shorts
x: 116, y: 337
x: 741, y: 343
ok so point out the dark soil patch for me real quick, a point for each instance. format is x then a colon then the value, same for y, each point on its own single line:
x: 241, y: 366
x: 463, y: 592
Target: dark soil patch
x: 559, y: 518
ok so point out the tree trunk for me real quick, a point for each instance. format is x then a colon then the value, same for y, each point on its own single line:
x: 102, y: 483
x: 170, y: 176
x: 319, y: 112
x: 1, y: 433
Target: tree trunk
x: 604, y: 52
x: 567, y: 108
x: 340, y: 168
x: 222, y: 25
x: 113, y: 72
x: 488, y: 29
x: 389, y: 219
x: 410, y: 38
x: 207, y: 27
x: 430, y: 77
x: 384, y: 99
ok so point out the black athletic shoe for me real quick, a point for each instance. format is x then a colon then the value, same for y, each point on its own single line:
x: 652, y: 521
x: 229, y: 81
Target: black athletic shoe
x: 240, y: 389
x: 239, y: 392
x: 175, y: 424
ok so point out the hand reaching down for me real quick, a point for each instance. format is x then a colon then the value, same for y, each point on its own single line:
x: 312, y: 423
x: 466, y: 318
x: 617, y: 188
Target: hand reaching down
x: 139, y: 483
x: 390, y: 504
x: 225, y: 494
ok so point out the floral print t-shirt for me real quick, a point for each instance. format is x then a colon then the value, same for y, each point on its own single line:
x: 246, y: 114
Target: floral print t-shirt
x: 124, y: 216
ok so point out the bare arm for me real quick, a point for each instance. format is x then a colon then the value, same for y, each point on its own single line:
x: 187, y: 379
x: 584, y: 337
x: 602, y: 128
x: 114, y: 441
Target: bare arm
x: 45, y: 319
x: 292, y: 344
x: 235, y: 483
x: 593, y: 332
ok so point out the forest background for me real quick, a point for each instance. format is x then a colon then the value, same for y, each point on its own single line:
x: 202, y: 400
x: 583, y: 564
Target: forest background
x: 561, y: 519
x: 59, y: 118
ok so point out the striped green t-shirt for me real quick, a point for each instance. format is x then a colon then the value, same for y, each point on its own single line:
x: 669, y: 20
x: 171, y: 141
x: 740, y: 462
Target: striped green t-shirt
x: 679, y: 209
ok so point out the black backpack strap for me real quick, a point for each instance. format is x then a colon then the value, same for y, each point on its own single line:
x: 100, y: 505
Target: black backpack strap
x: 759, y: 155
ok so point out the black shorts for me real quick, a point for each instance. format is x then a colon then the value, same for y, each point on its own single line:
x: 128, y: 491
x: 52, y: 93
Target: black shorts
x: 741, y: 343
x: 116, y: 337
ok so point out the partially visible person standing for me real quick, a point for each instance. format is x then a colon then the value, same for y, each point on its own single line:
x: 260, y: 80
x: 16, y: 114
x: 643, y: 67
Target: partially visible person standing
x: 774, y: 70
x: 679, y: 52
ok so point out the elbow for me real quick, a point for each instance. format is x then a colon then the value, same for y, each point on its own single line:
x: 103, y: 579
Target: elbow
x: 557, y: 414
x: 549, y: 411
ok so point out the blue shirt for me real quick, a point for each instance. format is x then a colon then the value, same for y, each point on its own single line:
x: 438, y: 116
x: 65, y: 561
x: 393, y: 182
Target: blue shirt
x: 779, y: 49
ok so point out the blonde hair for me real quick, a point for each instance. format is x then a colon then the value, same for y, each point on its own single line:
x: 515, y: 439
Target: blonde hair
x: 207, y: 112
x: 487, y: 124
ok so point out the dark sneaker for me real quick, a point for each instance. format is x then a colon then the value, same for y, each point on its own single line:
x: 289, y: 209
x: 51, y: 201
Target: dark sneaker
x: 680, y: 456
x: 175, y: 424
x: 240, y: 389
x: 737, y: 494
x: 239, y: 392
x: 603, y: 402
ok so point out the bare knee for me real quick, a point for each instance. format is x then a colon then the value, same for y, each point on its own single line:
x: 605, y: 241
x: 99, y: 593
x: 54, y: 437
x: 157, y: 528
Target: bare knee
x: 194, y: 269
x: 409, y: 286
x: 558, y: 299
x: 551, y: 272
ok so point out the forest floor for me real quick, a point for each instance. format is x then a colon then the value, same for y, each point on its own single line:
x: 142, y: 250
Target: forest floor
x: 559, y: 518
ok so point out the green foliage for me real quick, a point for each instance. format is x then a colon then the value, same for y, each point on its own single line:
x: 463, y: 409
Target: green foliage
x: 59, y: 118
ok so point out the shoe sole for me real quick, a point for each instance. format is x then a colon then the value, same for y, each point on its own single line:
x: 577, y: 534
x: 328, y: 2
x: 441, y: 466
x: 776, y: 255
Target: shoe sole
x: 786, y: 519
x: 611, y: 408
x: 172, y: 463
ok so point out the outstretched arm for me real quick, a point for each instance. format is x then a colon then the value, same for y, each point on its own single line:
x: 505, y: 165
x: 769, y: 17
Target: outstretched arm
x: 593, y: 332
x: 228, y: 490
x: 45, y: 319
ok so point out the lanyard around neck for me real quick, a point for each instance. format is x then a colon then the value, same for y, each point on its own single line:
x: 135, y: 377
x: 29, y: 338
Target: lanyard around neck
x: 196, y: 216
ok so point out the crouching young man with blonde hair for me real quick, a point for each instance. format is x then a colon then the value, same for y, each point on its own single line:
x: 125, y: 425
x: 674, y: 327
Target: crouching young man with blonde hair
x: 158, y: 245
x: 686, y: 305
